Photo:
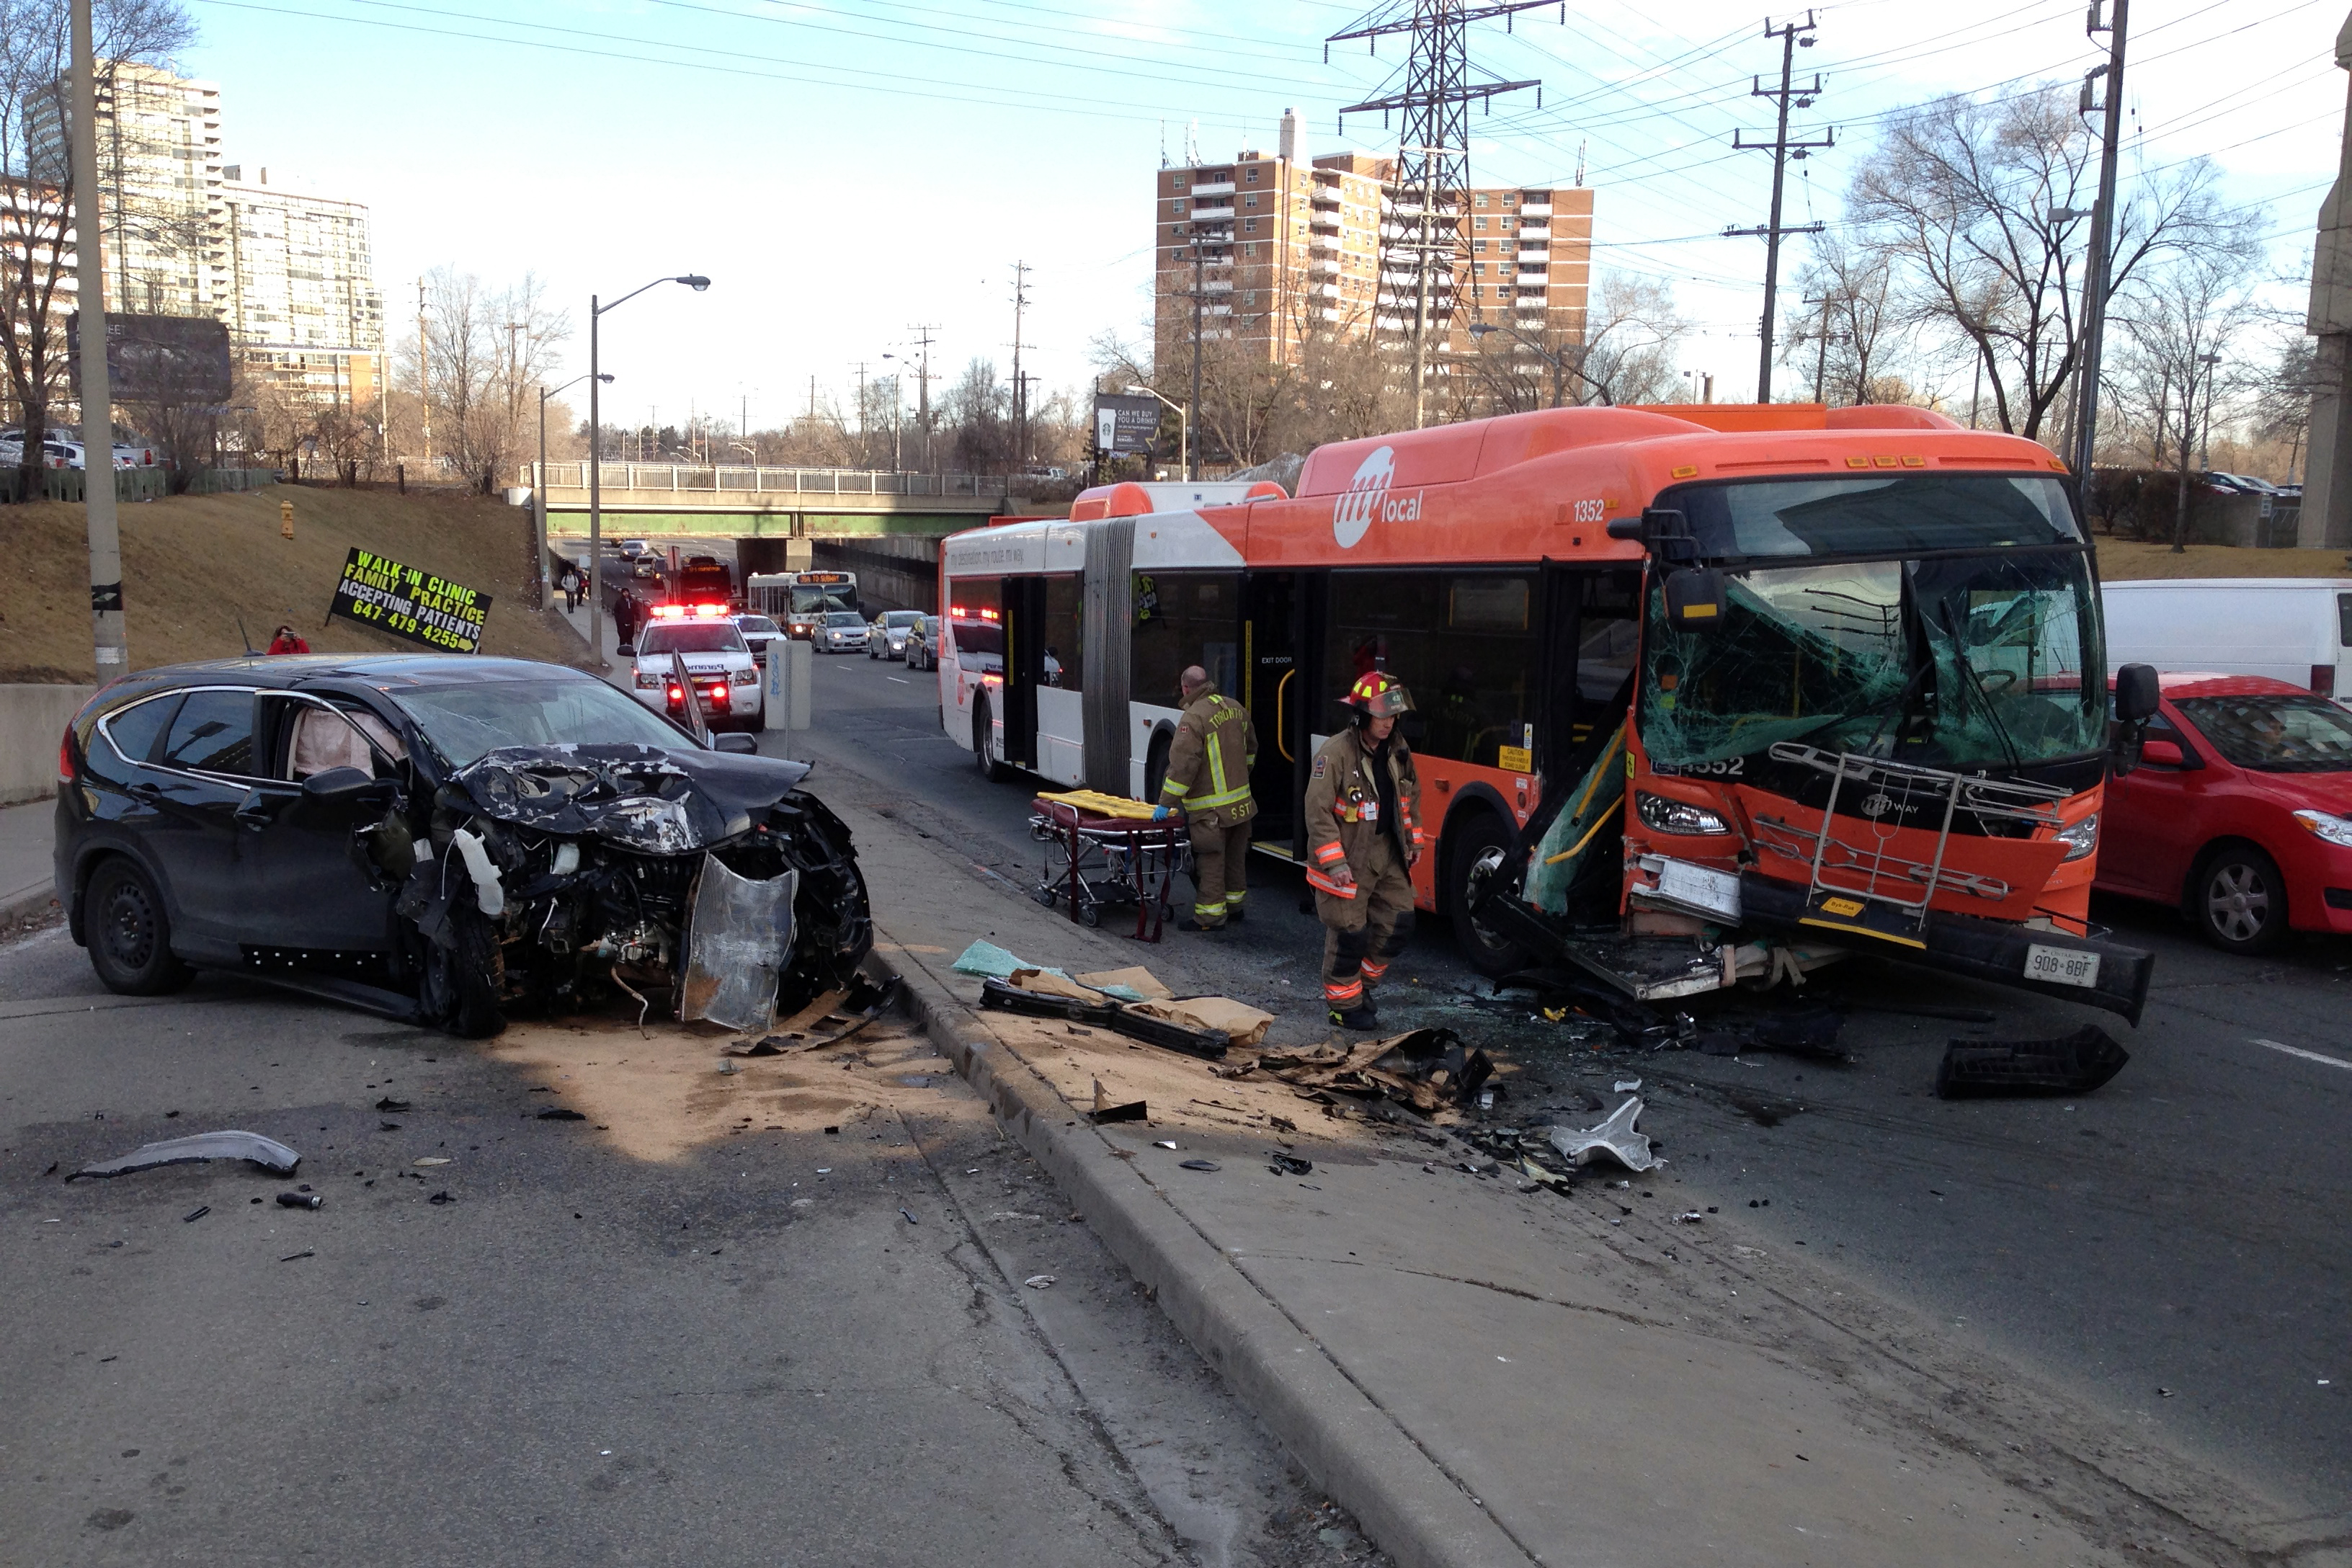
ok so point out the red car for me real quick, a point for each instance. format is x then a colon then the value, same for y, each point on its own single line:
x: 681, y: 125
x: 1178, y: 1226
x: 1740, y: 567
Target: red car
x: 2240, y: 813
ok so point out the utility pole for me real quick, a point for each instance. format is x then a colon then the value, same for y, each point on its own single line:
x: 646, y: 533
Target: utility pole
x: 1792, y: 34
x: 1020, y: 409
x: 110, y: 640
x: 923, y: 389
x: 1433, y: 94
x: 2096, y: 265
x: 424, y: 384
x: 1199, y: 303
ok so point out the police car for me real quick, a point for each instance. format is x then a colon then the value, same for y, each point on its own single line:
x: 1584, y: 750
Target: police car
x: 718, y: 660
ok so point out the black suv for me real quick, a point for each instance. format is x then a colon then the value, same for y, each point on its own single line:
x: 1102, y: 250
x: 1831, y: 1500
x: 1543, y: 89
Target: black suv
x: 441, y: 838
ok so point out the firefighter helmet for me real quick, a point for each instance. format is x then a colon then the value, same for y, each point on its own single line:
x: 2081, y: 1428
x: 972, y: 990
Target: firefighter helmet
x: 1377, y: 694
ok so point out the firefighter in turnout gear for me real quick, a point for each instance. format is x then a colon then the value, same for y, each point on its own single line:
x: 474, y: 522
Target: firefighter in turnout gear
x: 1208, y: 780
x: 1363, y: 835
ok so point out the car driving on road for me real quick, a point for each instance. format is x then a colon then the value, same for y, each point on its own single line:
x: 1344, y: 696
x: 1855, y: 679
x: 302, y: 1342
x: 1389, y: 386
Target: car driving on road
x: 2240, y: 813
x: 923, y: 644
x: 719, y: 663
x: 886, y: 637
x: 440, y: 839
x: 840, y: 631
x: 759, y: 631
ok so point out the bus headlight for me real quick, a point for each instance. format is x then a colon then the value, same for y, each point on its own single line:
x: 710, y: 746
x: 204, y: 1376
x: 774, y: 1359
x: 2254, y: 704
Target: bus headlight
x: 2079, y: 838
x: 2333, y: 829
x: 1663, y: 816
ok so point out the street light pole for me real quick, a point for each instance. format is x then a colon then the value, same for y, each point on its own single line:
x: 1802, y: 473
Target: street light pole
x: 109, y: 644
x: 539, y: 483
x: 697, y: 282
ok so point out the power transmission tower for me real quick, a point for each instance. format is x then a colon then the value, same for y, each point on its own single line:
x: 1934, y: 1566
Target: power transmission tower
x: 1433, y: 93
x: 923, y: 387
x: 2103, y: 222
x: 1794, y: 35
x: 1020, y: 395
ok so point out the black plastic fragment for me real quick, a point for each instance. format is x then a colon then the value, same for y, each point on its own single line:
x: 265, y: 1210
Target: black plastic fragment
x: 2071, y: 1064
x: 195, y: 1214
x: 389, y: 1104
x: 1201, y: 1164
x: 299, y: 1200
x: 560, y: 1114
x: 1283, y: 1165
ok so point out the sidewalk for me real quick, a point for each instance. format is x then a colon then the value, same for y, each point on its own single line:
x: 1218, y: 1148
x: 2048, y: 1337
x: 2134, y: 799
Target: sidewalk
x: 27, y: 833
x: 1481, y: 1375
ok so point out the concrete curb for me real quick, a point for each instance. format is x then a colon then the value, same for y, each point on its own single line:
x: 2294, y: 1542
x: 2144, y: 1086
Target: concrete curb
x: 1355, y: 1451
x: 27, y: 906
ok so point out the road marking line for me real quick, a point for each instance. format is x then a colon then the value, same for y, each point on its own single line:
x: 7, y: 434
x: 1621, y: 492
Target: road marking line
x: 900, y: 679
x: 2306, y: 1056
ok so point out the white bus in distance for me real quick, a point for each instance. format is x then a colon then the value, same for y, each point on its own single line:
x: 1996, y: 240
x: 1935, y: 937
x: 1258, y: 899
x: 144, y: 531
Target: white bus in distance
x: 1052, y: 597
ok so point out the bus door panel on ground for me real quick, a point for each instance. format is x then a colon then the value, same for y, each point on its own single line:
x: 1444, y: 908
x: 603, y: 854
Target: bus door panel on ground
x: 1465, y: 643
x: 1180, y: 618
x: 1272, y: 691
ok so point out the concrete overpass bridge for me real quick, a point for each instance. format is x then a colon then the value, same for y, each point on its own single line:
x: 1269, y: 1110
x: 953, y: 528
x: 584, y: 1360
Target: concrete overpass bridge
x: 663, y: 502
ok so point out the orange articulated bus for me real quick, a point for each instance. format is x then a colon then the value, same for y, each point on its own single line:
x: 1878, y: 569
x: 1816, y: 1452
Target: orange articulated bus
x: 1705, y: 692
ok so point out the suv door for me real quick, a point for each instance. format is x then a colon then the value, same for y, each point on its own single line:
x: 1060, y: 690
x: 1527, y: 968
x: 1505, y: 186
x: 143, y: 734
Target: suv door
x: 309, y: 884
x: 195, y: 782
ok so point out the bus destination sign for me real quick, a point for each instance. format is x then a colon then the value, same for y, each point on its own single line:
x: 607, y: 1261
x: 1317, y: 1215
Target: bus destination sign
x: 413, y: 605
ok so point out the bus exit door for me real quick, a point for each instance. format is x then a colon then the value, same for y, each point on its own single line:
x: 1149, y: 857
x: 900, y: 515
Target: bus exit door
x: 1272, y: 693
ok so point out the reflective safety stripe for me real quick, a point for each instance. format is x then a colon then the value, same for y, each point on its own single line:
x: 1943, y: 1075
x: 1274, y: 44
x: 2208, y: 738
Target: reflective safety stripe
x: 1220, y: 792
x: 1322, y: 883
x: 1209, y: 911
x: 1353, y: 991
x: 1232, y: 898
x: 1374, y: 971
x: 1332, y: 853
x: 1170, y: 787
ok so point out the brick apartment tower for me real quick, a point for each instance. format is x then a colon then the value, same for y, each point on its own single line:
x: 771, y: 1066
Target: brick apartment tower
x: 1283, y: 250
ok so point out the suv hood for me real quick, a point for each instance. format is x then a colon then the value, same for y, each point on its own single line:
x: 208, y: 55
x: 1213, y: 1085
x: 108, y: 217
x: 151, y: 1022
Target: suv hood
x: 642, y: 797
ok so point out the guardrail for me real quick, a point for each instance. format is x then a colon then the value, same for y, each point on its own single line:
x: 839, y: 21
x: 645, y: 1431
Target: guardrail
x: 770, y: 481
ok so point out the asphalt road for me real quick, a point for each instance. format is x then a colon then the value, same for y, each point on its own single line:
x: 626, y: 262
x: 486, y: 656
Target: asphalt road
x: 2168, y: 1252
x: 775, y: 1316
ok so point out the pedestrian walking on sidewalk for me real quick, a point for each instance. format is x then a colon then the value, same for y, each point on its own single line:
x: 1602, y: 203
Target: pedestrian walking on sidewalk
x: 1363, y: 835
x: 1208, y: 780
x: 624, y: 619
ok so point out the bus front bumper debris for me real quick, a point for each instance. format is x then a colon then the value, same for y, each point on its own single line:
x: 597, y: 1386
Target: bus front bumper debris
x: 2057, y: 963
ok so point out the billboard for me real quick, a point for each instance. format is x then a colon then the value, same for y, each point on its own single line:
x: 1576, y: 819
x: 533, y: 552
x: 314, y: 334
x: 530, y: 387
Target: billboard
x: 413, y: 606
x: 1124, y: 425
x: 176, y: 360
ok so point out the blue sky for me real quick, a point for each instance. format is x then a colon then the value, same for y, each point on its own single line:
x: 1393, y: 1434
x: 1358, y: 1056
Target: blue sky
x: 846, y: 170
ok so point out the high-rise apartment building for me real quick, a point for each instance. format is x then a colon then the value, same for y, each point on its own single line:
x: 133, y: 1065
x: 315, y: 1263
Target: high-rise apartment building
x: 185, y: 235
x: 1278, y: 251
x: 159, y: 154
x: 300, y: 296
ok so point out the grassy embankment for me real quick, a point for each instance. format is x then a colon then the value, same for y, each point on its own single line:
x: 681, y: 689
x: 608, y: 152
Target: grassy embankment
x: 193, y: 565
x: 2123, y: 559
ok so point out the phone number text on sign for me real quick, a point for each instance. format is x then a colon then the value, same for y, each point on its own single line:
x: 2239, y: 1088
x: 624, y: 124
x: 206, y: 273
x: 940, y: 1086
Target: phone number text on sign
x: 413, y: 605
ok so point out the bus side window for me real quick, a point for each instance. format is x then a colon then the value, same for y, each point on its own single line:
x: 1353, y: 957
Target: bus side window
x: 1463, y: 643
x: 1064, y: 632
x: 1184, y: 618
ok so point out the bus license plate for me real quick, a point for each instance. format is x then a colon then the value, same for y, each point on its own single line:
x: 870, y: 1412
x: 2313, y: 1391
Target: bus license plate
x: 2061, y: 965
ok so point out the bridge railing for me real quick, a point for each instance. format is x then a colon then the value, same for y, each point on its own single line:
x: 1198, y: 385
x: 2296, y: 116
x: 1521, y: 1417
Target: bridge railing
x: 770, y: 481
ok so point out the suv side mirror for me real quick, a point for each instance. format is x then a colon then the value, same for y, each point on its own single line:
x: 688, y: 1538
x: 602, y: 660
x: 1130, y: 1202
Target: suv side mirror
x: 2135, y: 693
x: 336, y: 784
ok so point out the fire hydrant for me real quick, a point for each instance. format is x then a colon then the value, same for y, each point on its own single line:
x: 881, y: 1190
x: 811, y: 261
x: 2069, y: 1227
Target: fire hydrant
x: 286, y: 520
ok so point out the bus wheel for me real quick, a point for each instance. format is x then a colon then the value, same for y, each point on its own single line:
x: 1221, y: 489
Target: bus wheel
x: 1475, y: 860
x: 983, y: 745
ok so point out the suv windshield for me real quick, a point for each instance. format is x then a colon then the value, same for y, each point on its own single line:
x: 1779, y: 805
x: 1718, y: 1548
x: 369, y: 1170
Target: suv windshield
x: 757, y: 626
x: 465, y: 722
x: 712, y: 637
x: 1958, y: 660
x: 2275, y: 734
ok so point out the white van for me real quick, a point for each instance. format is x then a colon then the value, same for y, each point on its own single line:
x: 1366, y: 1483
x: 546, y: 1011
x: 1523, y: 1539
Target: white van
x: 2297, y: 629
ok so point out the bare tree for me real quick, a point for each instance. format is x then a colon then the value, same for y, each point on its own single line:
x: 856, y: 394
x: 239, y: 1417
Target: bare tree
x: 37, y: 199
x: 1977, y: 208
x: 1850, y: 327
x: 1632, y: 331
x: 2182, y: 328
x: 490, y: 352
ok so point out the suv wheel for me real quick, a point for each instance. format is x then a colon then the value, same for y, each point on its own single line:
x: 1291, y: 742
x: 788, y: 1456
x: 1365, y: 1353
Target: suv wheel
x: 2239, y: 900
x: 1474, y: 861
x: 130, y: 935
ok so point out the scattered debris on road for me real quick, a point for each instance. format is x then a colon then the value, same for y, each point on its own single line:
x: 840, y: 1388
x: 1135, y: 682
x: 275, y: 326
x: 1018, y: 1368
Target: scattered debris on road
x: 1105, y: 1113
x: 1039, y: 1281
x: 562, y: 1113
x: 301, y: 1201
x: 195, y: 1214
x: 1283, y: 1165
x: 1200, y: 1164
x: 267, y: 1152
x: 2071, y: 1064
x: 1613, y: 1139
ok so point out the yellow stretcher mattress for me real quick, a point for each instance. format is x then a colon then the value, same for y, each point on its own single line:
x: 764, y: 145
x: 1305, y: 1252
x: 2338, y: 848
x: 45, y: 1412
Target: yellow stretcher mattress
x: 1098, y: 804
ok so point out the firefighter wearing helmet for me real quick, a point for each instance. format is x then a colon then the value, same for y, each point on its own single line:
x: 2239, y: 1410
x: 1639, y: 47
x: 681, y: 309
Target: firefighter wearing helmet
x: 1363, y: 835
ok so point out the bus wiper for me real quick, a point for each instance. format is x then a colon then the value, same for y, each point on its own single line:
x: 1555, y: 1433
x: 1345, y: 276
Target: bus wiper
x: 1976, y: 681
